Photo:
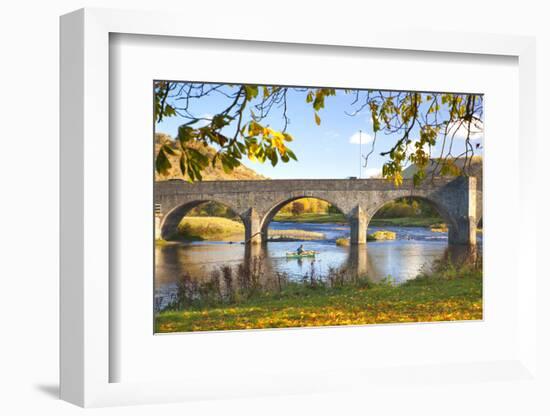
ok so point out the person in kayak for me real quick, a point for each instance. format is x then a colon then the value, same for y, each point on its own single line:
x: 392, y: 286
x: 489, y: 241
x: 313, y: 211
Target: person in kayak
x: 300, y: 249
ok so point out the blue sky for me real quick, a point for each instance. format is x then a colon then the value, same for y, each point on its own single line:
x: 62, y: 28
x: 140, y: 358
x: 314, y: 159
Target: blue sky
x: 330, y: 150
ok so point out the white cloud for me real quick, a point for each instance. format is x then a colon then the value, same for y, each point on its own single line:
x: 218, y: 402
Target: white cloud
x: 460, y: 130
x: 364, y: 139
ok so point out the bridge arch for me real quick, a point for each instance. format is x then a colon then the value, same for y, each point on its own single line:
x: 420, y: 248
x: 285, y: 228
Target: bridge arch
x: 440, y: 208
x: 273, y: 210
x: 170, y: 221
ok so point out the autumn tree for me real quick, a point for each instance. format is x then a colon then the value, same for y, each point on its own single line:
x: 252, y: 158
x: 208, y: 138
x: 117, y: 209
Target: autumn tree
x: 240, y: 128
x: 297, y: 208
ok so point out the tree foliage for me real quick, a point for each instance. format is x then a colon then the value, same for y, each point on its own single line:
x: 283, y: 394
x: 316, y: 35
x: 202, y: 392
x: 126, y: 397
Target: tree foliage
x: 297, y: 208
x: 407, y: 207
x: 435, y: 116
x: 213, y: 209
x: 310, y: 205
x: 242, y: 127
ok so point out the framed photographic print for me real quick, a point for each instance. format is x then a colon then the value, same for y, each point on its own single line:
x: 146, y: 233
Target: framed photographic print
x: 281, y: 206
x: 280, y: 214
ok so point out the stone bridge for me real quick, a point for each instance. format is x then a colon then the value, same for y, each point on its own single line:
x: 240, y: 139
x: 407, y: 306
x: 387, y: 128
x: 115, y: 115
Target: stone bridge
x: 458, y: 201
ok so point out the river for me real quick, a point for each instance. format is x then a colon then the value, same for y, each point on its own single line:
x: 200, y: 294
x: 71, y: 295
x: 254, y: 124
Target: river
x: 415, y: 249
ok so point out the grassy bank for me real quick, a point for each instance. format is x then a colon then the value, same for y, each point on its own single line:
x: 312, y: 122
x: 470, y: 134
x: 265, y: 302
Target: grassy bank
x: 311, y: 217
x: 406, y: 222
x: 445, y: 296
x: 341, y: 219
x: 210, y: 228
x: 218, y: 228
x: 294, y: 235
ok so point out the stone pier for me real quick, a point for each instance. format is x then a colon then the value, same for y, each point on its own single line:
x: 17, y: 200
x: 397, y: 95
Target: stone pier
x: 358, y: 226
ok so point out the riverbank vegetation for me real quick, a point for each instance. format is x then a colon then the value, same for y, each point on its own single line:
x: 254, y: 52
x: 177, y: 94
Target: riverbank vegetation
x: 448, y: 294
x: 310, y: 210
x: 403, y: 212
x: 294, y: 235
x: 225, y: 229
x: 375, y: 221
x: 407, y: 208
x: 319, y: 218
x: 406, y: 212
x: 426, y: 222
x: 380, y: 235
x: 210, y: 228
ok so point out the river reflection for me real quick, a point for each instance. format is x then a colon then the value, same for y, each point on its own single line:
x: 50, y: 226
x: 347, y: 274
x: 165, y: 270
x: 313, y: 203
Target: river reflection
x: 414, y: 251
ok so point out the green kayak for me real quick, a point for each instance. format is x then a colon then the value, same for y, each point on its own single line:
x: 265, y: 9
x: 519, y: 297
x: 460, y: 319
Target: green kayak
x: 294, y: 255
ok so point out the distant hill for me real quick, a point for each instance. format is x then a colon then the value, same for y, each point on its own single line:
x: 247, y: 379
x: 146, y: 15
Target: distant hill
x: 472, y: 168
x: 210, y: 173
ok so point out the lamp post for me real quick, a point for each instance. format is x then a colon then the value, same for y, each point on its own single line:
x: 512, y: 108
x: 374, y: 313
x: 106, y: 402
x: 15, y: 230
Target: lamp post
x: 360, y: 145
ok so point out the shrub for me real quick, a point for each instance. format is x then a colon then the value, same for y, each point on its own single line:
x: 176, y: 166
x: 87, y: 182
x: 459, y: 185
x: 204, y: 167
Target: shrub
x: 381, y: 235
x: 342, y: 242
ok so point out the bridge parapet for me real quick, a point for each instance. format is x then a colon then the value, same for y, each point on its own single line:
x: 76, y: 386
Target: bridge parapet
x: 275, y: 185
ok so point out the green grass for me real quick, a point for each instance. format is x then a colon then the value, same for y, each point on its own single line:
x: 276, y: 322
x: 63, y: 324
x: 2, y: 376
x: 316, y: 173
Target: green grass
x: 210, y: 228
x: 311, y: 217
x: 446, y: 296
x: 341, y: 219
x: 405, y: 222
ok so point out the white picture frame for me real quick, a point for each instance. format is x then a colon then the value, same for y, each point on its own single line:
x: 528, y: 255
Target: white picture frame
x: 86, y: 356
